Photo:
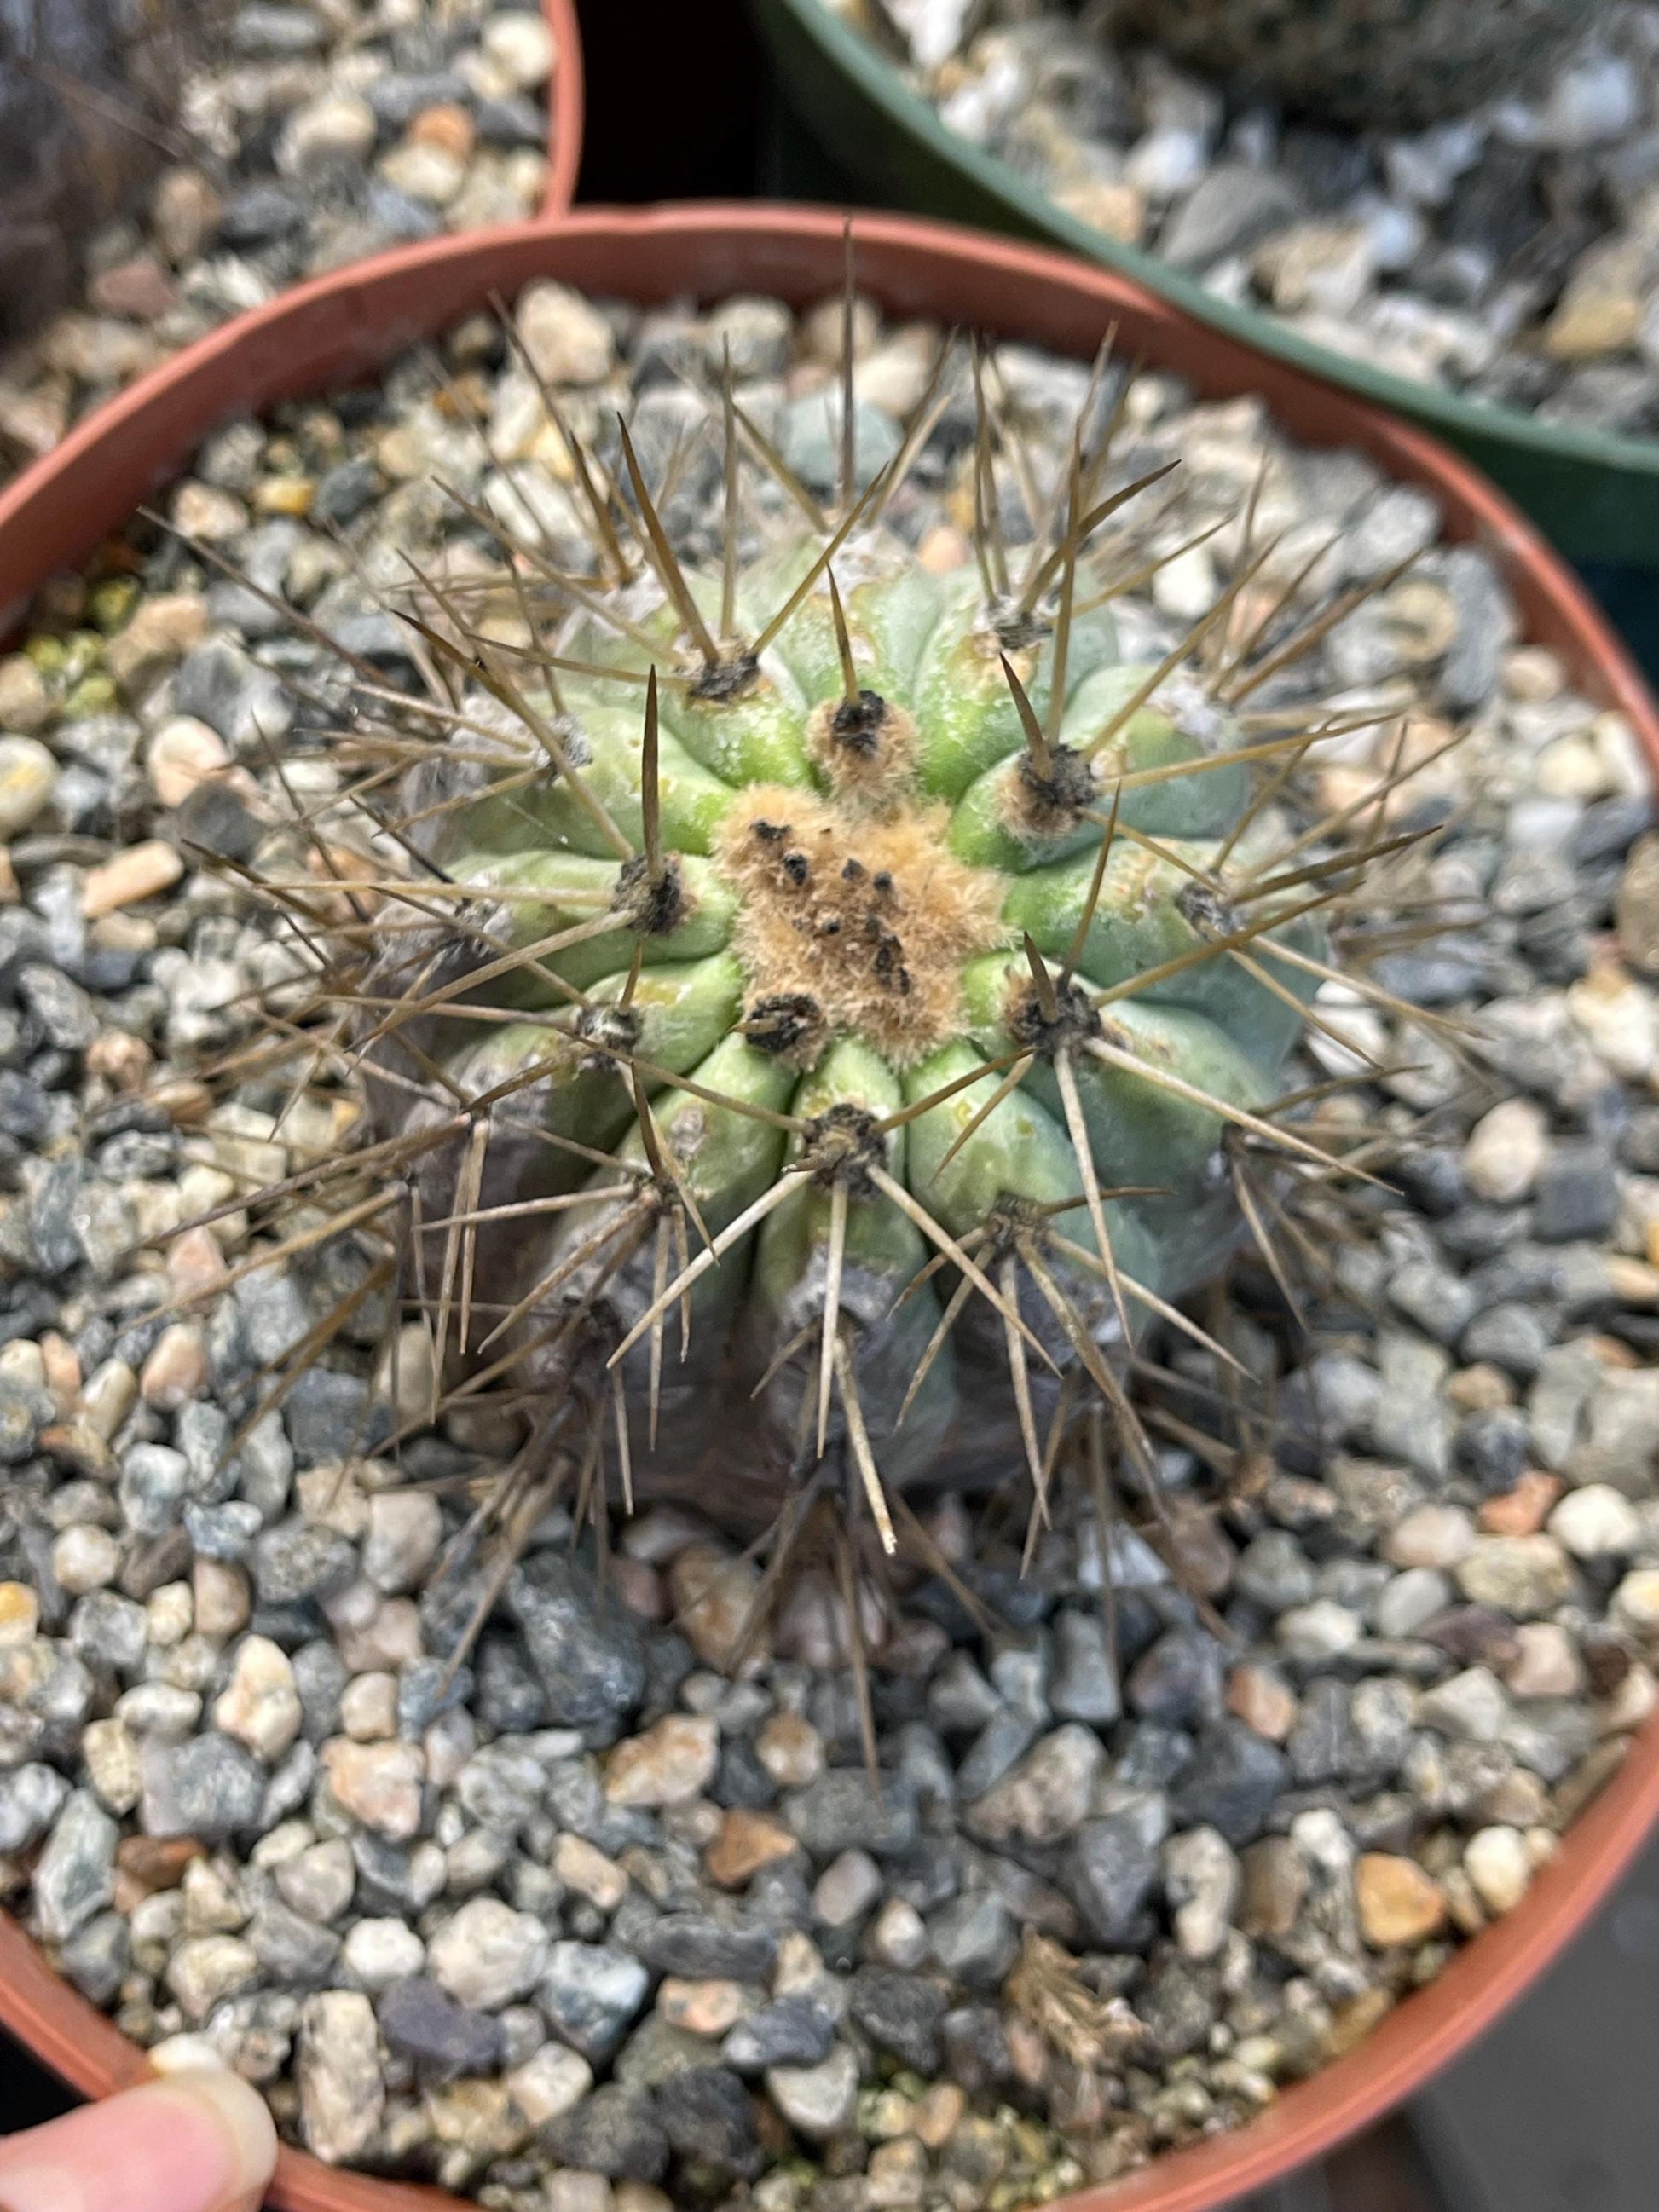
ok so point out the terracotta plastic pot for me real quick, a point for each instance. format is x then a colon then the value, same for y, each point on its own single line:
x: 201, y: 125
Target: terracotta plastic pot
x: 853, y: 123
x: 566, y: 107
x: 346, y: 326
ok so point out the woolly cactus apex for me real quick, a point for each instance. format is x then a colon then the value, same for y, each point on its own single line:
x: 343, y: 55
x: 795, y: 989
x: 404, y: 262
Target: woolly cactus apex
x: 815, y: 1013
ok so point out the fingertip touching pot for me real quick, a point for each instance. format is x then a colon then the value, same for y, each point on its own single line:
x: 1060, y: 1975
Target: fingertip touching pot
x: 343, y: 327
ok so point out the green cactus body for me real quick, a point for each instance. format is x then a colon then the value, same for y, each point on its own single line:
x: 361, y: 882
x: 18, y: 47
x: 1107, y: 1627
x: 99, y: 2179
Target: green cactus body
x: 754, y: 1023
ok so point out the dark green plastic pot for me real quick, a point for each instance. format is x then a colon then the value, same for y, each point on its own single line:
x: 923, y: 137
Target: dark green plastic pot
x: 874, y: 141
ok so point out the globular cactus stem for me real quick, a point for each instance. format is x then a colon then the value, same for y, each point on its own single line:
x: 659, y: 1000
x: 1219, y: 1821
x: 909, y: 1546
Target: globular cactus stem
x: 814, y: 1012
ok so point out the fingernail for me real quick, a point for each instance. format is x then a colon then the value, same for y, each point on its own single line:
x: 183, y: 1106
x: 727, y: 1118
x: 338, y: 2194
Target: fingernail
x: 244, y: 2118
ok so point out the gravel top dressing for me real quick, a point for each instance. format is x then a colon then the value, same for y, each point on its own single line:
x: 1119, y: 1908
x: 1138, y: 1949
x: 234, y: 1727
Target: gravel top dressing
x: 1511, y: 252
x: 1179, y: 1793
x: 320, y: 134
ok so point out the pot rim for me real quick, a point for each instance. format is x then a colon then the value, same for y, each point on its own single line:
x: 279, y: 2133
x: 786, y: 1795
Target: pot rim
x: 567, y: 108
x: 345, y: 324
x: 1454, y: 413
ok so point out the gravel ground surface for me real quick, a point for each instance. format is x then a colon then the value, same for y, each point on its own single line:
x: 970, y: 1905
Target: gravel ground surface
x: 324, y: 133
x: 1513, y: 252
x: 1108, y: 1901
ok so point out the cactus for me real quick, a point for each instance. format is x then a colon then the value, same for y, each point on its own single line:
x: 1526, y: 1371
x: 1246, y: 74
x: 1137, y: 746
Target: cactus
x: 1372, y: 64
x: 813, y: 1014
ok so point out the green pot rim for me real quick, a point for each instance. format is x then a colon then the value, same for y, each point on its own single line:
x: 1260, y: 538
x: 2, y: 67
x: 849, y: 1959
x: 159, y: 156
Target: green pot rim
x: 1464, y: 421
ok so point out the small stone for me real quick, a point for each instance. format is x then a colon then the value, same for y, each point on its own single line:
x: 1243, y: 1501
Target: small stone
x: 182, y: 755
x: 112, y: 1763
x: 1498, y: 1865
x: 74, y: 1876
x: 745, y: 1841
x: 85, y: 1558
x: 791, y: 1750
x: 215, y: 1787
x: 260, y: 1706
x: 817, y: 2100
x: 1110, y: 1868
x: 1047, y: 1794
x: 521, y: 46
x: 1636, y: 1603
x: 1506, y: 1152
x: 1523, y: 1511
x: 1263, y: 1700
x: 1399, y: 1901
x: 1441, y: 1537
x: 1231, y: 209
x: 552, y: 2083
x: 1203, y: 1881
x: 206, y: 1969
x: 487, y: 1955
x: 1471, y: 1706
x: 20, y: 1615
x: 1230, y: 1782
x: 27, y: 772
x: 378, y: 1784
x: 421, y: 2022
x: 567, y: 341
x: 582, y: 1867
x: 1596, y: 1523
x: 1547, y: 1664
x: 337, y: 2069
x: 669, y: 1764
x: 614, y: 2132
x: 405, y: 1530
x: 846, y: 1889
x: 378, y: 1952
x: 702, y: 2008
x: 1522, y: 1575
x: 591, y: 1993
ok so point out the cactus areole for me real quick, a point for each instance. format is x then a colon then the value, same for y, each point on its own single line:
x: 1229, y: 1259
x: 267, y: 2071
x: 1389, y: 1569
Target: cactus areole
x: 815, y: 1010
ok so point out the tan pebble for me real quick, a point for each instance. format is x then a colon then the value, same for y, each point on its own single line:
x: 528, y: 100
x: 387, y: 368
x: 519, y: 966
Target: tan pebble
x: 119, y: 1058
x: 707, y: 2008
x: 1633, y: 1282
x: 109, y: 1394
x: 291, y: 496
x: 638, y: 1587
x: 583, y: 1867
x: 1263, y: 1701
x: 669, y: 1763
x: 77, y: 1444
x: 204, y: 511
x: 222, y: 1598
x: 1523, y: 1511
x: 447, y: 125
x: 195, y: 1263
x: 142, y: 872
x: 183, y: 209
x: 1481, y: 1389
x: 176, y: 1368
x: 937, y: 2114
x: 61, y: 1364
x: 713, y: 1596
x: 156, y: 1863
x: 378, y: 1784
x: 1399, y: 1901
x: 20, y: 1615
x: 746, y: 1842
x: 572, y: 2189
x: 183, y: 754
x: 638, y: 2196
x: 162, y: 631
x: 25, y: 702
x: 791, y: 1750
